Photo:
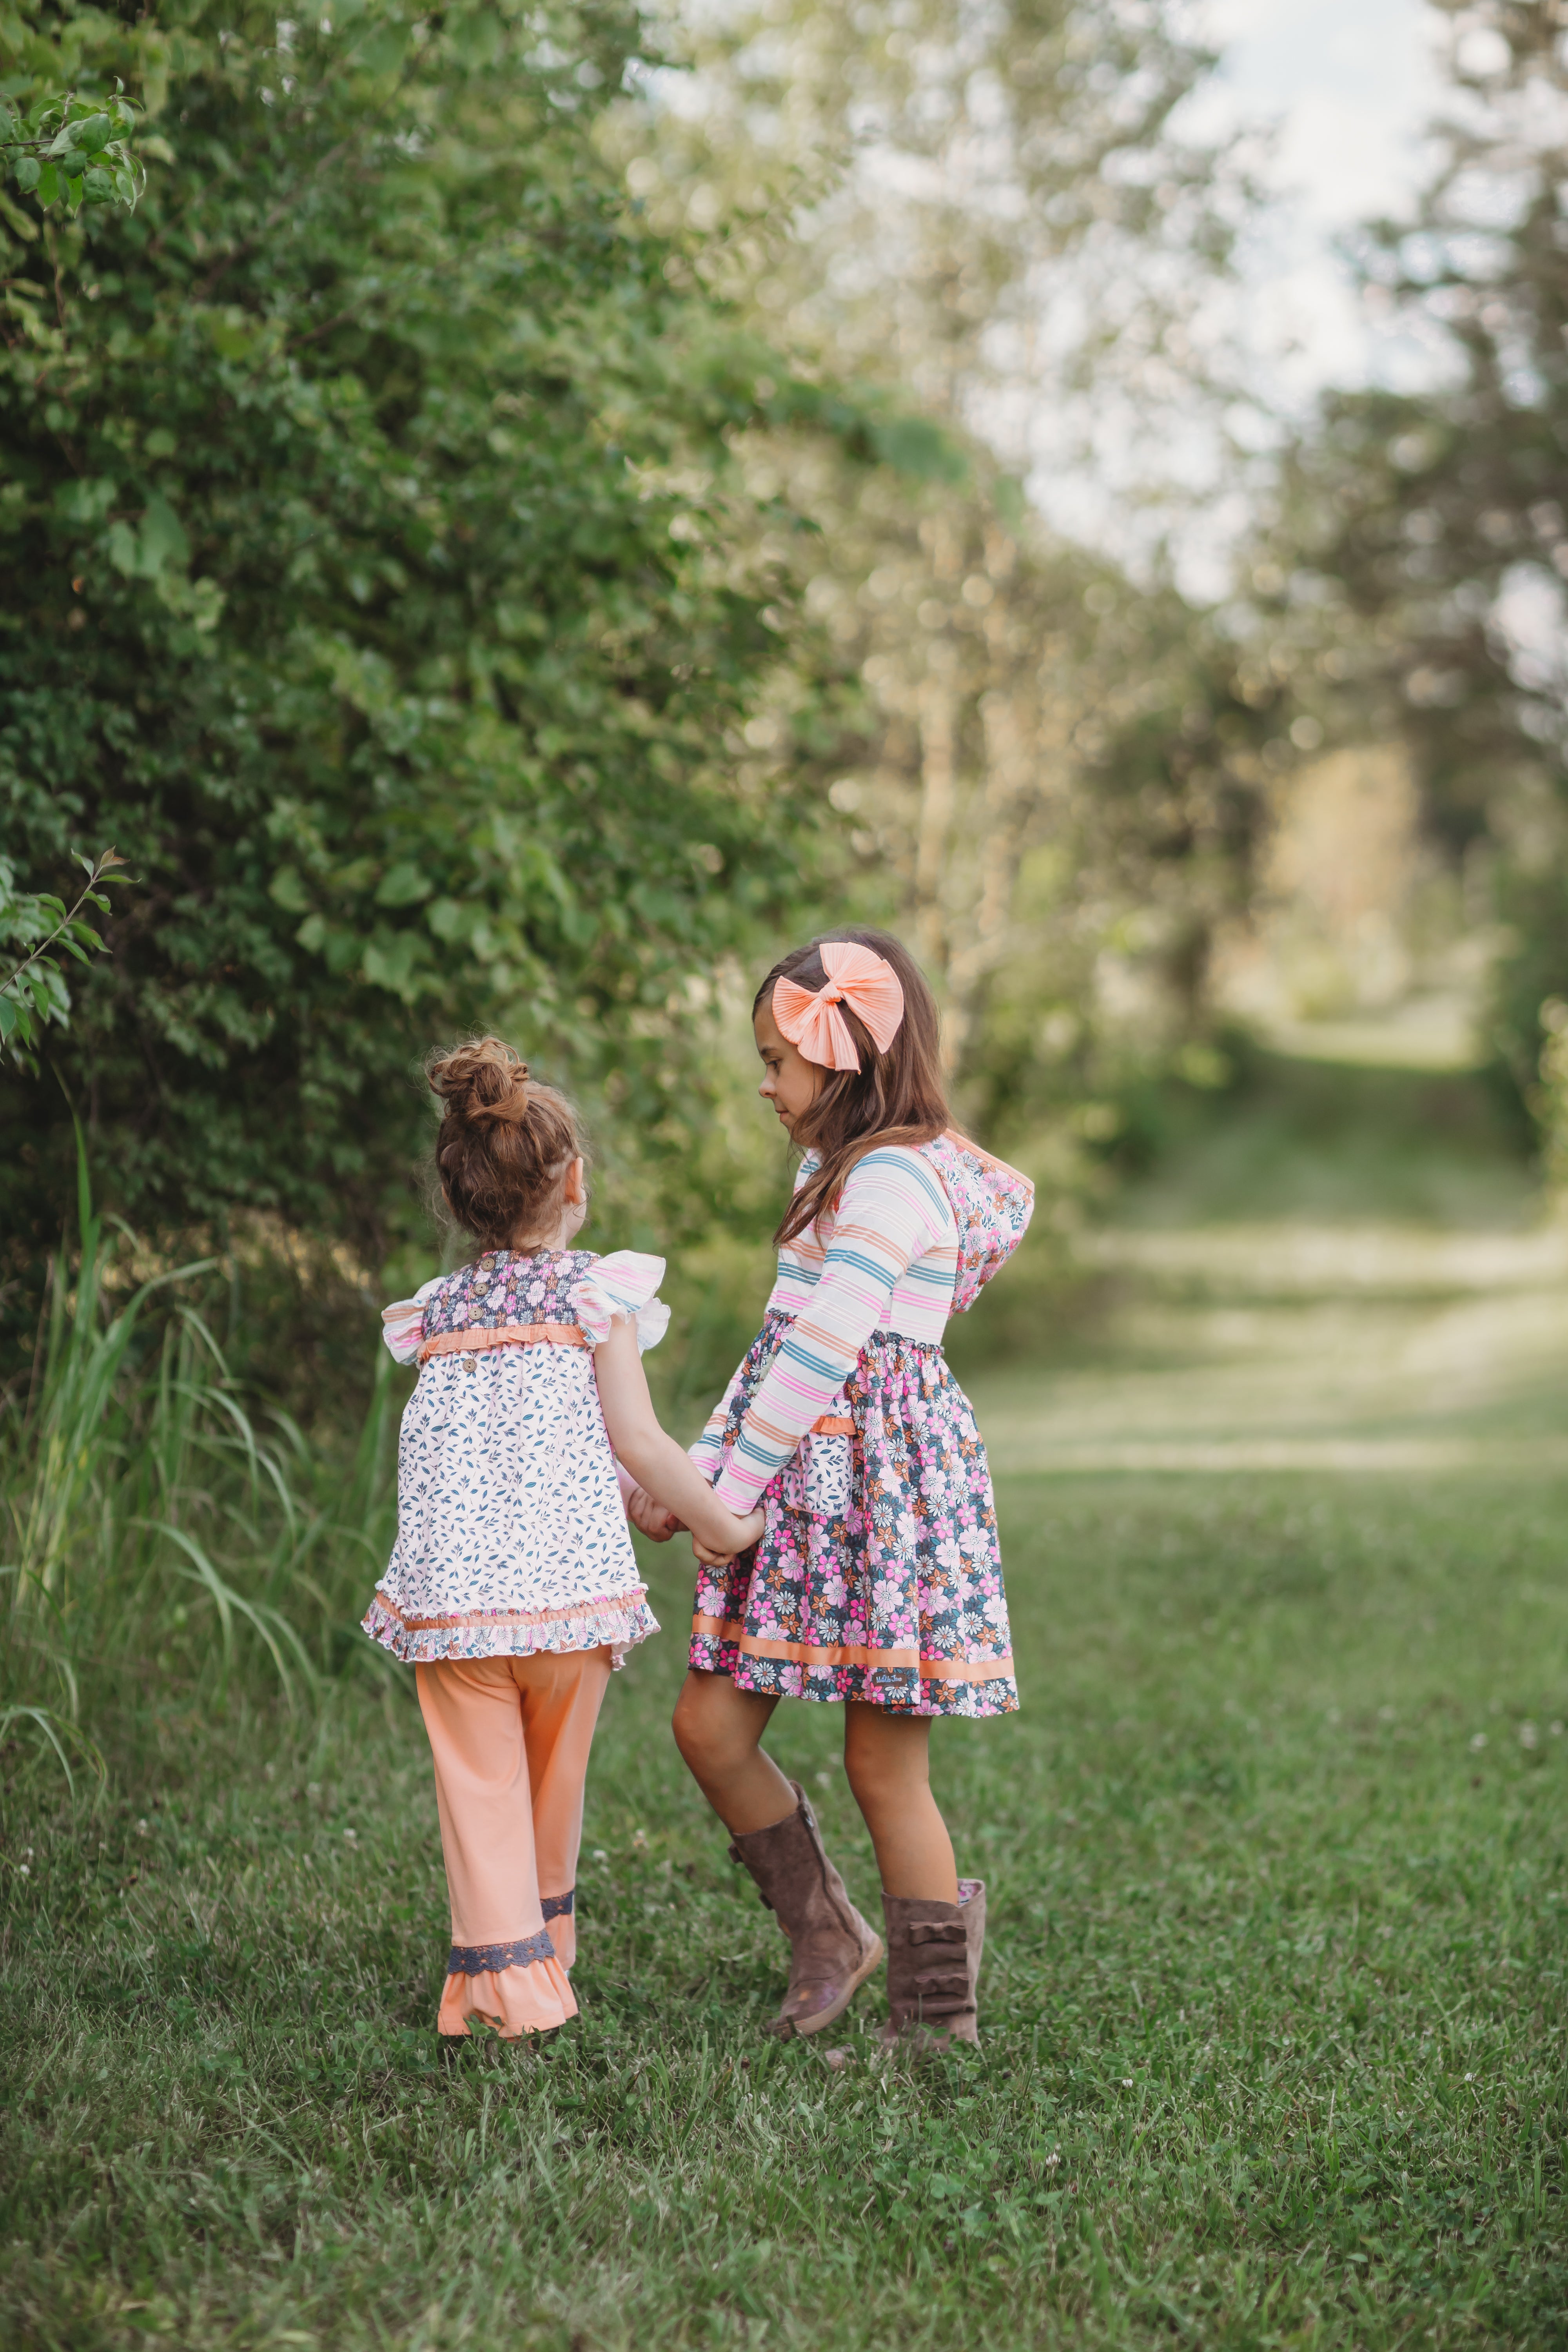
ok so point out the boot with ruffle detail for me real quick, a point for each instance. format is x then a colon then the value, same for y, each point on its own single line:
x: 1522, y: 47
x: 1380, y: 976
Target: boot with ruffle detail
x: 933, y: 1969
x: 832, y: 1949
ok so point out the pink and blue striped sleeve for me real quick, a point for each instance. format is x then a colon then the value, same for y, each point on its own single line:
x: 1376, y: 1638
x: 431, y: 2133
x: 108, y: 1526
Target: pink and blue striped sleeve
x: 891, y: 1210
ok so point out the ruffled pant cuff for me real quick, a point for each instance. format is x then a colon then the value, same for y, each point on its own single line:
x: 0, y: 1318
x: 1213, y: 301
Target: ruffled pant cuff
x: 512, y: 2001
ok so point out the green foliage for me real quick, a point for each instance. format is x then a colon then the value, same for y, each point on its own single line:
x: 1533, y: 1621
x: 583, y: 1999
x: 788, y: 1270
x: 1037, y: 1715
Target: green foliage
x: 1274, y: 1964
x: 365, y: 557
x: 71, y: 150
x: 34, y: 992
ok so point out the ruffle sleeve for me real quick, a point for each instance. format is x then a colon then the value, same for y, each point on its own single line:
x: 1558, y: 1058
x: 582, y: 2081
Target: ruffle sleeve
x: 624, y: 1283
x: 403, y: 1323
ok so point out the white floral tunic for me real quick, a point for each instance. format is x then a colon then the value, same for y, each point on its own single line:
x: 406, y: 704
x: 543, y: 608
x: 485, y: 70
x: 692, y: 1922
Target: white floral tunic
x: 511, y: 1534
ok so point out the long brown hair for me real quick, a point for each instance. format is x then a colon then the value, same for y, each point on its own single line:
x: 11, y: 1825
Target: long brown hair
x: 893, y: 1097
x: 505, y: 1144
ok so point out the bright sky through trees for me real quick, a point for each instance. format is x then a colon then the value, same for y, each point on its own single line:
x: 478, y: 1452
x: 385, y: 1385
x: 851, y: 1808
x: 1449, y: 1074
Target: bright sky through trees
x: 1349, y: 85
x: 1332, y: 98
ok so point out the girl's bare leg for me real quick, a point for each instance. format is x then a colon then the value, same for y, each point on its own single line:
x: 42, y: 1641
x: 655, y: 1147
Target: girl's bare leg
x: 887, y: 1758
x: 717, y: 1730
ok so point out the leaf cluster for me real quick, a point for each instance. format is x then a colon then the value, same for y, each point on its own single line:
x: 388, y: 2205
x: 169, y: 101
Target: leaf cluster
x: 71, y: 149
x: 34, y: 991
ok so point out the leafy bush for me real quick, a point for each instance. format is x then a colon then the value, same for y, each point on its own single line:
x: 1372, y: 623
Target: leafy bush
x: 364, y: 567
x: 33, y: 993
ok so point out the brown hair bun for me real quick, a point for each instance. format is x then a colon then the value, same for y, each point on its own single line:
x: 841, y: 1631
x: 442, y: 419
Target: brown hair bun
x: 505, y: 1142
x: 481, y: 1081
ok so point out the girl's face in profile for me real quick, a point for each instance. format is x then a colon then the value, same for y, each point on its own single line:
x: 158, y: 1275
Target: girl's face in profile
x: 789, y: 1081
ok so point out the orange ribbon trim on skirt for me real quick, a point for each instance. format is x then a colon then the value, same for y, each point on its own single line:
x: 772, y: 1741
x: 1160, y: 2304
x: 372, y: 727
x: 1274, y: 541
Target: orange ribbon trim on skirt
x: 845, y: 1654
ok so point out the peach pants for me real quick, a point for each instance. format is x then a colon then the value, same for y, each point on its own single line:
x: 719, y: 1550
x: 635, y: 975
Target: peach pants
x: 510, y: 1738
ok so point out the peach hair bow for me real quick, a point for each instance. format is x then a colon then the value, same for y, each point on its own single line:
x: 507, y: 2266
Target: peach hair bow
x: 810, y: 1017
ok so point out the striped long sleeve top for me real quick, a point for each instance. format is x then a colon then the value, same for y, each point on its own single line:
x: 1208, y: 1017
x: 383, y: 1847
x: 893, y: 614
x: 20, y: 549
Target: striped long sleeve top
x: 885, y: 1262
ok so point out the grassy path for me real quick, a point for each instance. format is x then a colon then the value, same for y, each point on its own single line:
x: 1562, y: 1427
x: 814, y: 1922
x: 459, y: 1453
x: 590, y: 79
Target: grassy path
x: 1274, y: 2006
x: 1280, y: 1345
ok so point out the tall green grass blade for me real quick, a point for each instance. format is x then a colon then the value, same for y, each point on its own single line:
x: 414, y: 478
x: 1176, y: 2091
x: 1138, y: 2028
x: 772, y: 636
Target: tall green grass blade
x: 158, y: 1528
x: 273, y: 1628
x: 56, y: 1731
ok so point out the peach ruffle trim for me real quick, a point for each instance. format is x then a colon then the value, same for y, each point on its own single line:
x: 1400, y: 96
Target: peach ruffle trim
x: 513, y: 2001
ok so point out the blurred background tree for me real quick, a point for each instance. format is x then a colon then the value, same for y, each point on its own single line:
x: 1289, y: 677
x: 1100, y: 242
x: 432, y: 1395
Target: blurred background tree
x: 1046, y: 765
x: 466, y: 589
x: 1418, y: 564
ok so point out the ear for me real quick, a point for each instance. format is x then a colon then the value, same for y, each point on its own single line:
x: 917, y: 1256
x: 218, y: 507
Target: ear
x: 575, y: 1188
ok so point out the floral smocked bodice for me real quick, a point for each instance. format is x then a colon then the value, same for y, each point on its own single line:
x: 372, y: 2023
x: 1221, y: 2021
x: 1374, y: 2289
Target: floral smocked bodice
x: 508, y: 1287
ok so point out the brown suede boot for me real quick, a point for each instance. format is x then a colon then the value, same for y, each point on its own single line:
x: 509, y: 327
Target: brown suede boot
x: 832, y: 1950
x: 933, y: 1968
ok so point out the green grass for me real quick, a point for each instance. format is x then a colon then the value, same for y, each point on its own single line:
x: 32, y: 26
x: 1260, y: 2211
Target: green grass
x: 1273, y: 2004
x: 1328, y: 1144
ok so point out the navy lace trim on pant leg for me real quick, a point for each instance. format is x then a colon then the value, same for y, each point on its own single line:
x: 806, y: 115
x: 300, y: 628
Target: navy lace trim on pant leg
x: 475, y: 1959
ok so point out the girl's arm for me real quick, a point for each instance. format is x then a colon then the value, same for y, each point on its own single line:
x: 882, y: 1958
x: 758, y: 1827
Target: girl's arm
x: 653, y: 1457
x: 891, y: 1210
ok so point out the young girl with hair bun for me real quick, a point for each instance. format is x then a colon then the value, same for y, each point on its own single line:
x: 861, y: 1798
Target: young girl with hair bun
x: 877, y: 1582
x: 513, y: 1589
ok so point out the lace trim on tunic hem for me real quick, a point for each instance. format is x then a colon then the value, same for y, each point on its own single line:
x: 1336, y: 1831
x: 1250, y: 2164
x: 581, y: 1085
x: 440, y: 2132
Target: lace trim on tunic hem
x: 606, y: 1602
x: 620, y: 1621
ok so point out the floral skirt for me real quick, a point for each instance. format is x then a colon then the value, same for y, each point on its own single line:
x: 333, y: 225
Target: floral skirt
x: 877, y: 1575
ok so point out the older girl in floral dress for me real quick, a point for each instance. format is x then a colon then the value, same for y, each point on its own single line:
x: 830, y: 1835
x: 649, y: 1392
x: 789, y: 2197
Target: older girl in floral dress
x: 877, y: 1583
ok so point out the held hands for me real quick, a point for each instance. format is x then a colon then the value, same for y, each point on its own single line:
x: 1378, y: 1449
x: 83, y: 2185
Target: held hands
x: 651, y: 1518
x: 658, y: 1524
x: 747, y: 1532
